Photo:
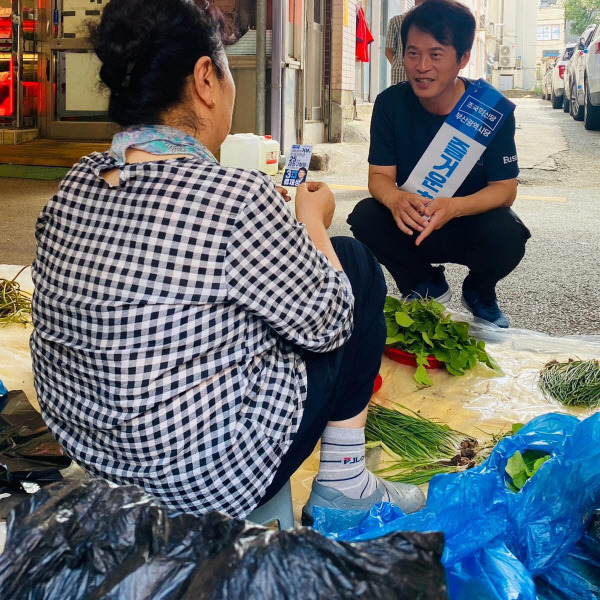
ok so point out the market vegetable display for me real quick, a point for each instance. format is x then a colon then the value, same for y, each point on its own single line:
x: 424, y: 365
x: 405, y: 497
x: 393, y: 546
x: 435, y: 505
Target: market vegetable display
x: 15, y: 304
x: 419, y: 448
x: 422, y: 328
x: 574, y: 383
x: 522, y: 467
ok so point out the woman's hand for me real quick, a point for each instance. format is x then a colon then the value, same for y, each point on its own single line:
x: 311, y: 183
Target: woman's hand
x: 315, y: 202
x: 284, y: 193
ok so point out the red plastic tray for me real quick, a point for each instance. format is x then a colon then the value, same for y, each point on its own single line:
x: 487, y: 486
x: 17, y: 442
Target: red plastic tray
x: 378, y: 383
x: 410, y: 359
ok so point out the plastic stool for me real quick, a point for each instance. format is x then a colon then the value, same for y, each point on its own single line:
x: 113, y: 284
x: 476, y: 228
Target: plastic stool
x: 279, y: 508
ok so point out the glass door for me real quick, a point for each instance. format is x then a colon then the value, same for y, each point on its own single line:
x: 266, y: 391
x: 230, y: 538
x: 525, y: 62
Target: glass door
x: 19, y: 87
x: 75, y: 106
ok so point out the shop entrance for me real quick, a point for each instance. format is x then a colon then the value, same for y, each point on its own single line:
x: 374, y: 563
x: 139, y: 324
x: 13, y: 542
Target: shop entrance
x: 48, y: 73
x: 19, y: 87
x: 72, y: 103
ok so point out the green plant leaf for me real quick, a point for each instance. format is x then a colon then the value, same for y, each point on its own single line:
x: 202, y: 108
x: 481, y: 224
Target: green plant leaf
x: 492, y: 364
x: 392, y: 330
x: 437, y: 307
x: 531, y: 457
x: 440, y: 332
x: 512, y: 488
x: 538, y: 463
x: 516, y: 427
x: 421, y: 376
x: 394, y: 340
x: 517, y: 470
x: 461, y: 330
x: 392, y: 304
x: 453, y: 371
x: 442, y: 354
x: 403, y: 319
x: 427, y: 340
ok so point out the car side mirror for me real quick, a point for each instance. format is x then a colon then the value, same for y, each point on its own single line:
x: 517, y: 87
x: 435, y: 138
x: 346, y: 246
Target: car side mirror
x: 581, y: 44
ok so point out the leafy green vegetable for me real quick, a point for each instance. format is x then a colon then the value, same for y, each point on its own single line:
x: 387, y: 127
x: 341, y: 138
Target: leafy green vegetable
x: 522, y: 467
x: 422, y: 328
x: 574, y: 383
x: 419, y: 448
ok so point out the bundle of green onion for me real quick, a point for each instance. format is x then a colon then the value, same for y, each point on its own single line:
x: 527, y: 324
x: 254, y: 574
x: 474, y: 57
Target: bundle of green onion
x: 573, y: 383
x: 420, y: 448
x: 15, y: 304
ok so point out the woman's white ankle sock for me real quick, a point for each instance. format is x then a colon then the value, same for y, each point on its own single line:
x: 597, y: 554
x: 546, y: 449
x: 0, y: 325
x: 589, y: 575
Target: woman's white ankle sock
x: 343, y: 462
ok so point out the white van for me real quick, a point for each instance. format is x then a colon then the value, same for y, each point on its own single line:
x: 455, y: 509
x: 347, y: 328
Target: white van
x: 557, y: 89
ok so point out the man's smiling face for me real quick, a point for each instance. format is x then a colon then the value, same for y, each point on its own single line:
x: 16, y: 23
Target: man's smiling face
x: 431, y: 67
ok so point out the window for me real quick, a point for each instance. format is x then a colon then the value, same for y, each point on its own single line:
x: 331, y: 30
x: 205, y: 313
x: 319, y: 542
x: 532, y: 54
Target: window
x: 548, y: 32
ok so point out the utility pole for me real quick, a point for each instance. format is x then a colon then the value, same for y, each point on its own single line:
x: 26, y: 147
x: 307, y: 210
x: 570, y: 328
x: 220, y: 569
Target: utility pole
x: 261, y: 65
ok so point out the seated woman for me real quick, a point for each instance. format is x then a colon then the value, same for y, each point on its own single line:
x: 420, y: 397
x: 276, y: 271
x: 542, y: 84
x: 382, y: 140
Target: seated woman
x: 191, y: 336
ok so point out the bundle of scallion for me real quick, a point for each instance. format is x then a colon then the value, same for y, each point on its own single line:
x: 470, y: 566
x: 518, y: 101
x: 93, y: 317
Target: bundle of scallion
x: 15, y: 304
x: 419, y: 448
x: 573, y: 383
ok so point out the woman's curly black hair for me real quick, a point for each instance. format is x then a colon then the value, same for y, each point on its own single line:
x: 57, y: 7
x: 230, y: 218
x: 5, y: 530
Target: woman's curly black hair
x: 148, y: 49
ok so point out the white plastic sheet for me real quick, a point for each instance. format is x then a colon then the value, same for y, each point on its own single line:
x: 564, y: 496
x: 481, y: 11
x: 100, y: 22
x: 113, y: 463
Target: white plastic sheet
x: 479, y: 404
x: 481, y: 401
x: 15, y: 358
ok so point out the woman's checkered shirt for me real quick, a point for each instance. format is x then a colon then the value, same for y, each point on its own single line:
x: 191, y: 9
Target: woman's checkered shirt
x: 169, y: 313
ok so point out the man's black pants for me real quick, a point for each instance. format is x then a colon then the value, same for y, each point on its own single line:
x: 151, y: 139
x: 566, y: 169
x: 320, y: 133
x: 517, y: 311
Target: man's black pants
x: 490, y: 244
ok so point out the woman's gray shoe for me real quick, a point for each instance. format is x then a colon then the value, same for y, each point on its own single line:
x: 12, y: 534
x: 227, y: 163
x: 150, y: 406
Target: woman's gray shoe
x: 408, y: 498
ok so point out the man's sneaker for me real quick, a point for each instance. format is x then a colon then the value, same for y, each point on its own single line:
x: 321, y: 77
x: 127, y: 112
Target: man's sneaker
x: 436, y: 287
x: 408, y: 498
x: 486, y: 312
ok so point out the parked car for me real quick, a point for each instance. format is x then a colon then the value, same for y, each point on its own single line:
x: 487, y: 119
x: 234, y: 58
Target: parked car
x: 547, y: 81
x: 591, y: 83
x: 557, y: 86
x: 574, y: 74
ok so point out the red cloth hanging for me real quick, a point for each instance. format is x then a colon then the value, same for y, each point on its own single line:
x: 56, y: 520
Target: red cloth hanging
x: 363, y: 36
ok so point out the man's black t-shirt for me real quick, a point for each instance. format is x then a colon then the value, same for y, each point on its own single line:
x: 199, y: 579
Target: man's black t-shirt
x: 401, y: 131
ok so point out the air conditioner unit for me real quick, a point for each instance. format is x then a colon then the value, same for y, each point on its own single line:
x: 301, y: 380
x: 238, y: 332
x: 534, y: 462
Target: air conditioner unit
x: 507, y: 56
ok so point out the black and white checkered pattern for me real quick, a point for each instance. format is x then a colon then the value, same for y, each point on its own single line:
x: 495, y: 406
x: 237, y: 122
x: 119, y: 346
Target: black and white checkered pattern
x: 169, y: 312
x: 393, y: 40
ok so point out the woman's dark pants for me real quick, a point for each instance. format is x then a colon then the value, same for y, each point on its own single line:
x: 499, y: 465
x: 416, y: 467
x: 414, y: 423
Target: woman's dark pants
x: 340, y: 383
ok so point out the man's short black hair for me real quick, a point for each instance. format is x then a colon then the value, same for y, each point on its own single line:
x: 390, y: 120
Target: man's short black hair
x: 449, y: 22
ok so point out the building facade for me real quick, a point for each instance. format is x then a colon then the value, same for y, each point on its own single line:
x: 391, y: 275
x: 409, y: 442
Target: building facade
x: 550, y: 36
x: 296, y: 71
x: 512, y: 43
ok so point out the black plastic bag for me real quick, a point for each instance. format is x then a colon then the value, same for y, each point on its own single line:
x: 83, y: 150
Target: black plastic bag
x: 28, y: 451
x: 95, y: 540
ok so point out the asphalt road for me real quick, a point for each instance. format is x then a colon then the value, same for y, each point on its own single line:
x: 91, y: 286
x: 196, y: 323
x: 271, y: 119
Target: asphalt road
x: 556, y: 287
